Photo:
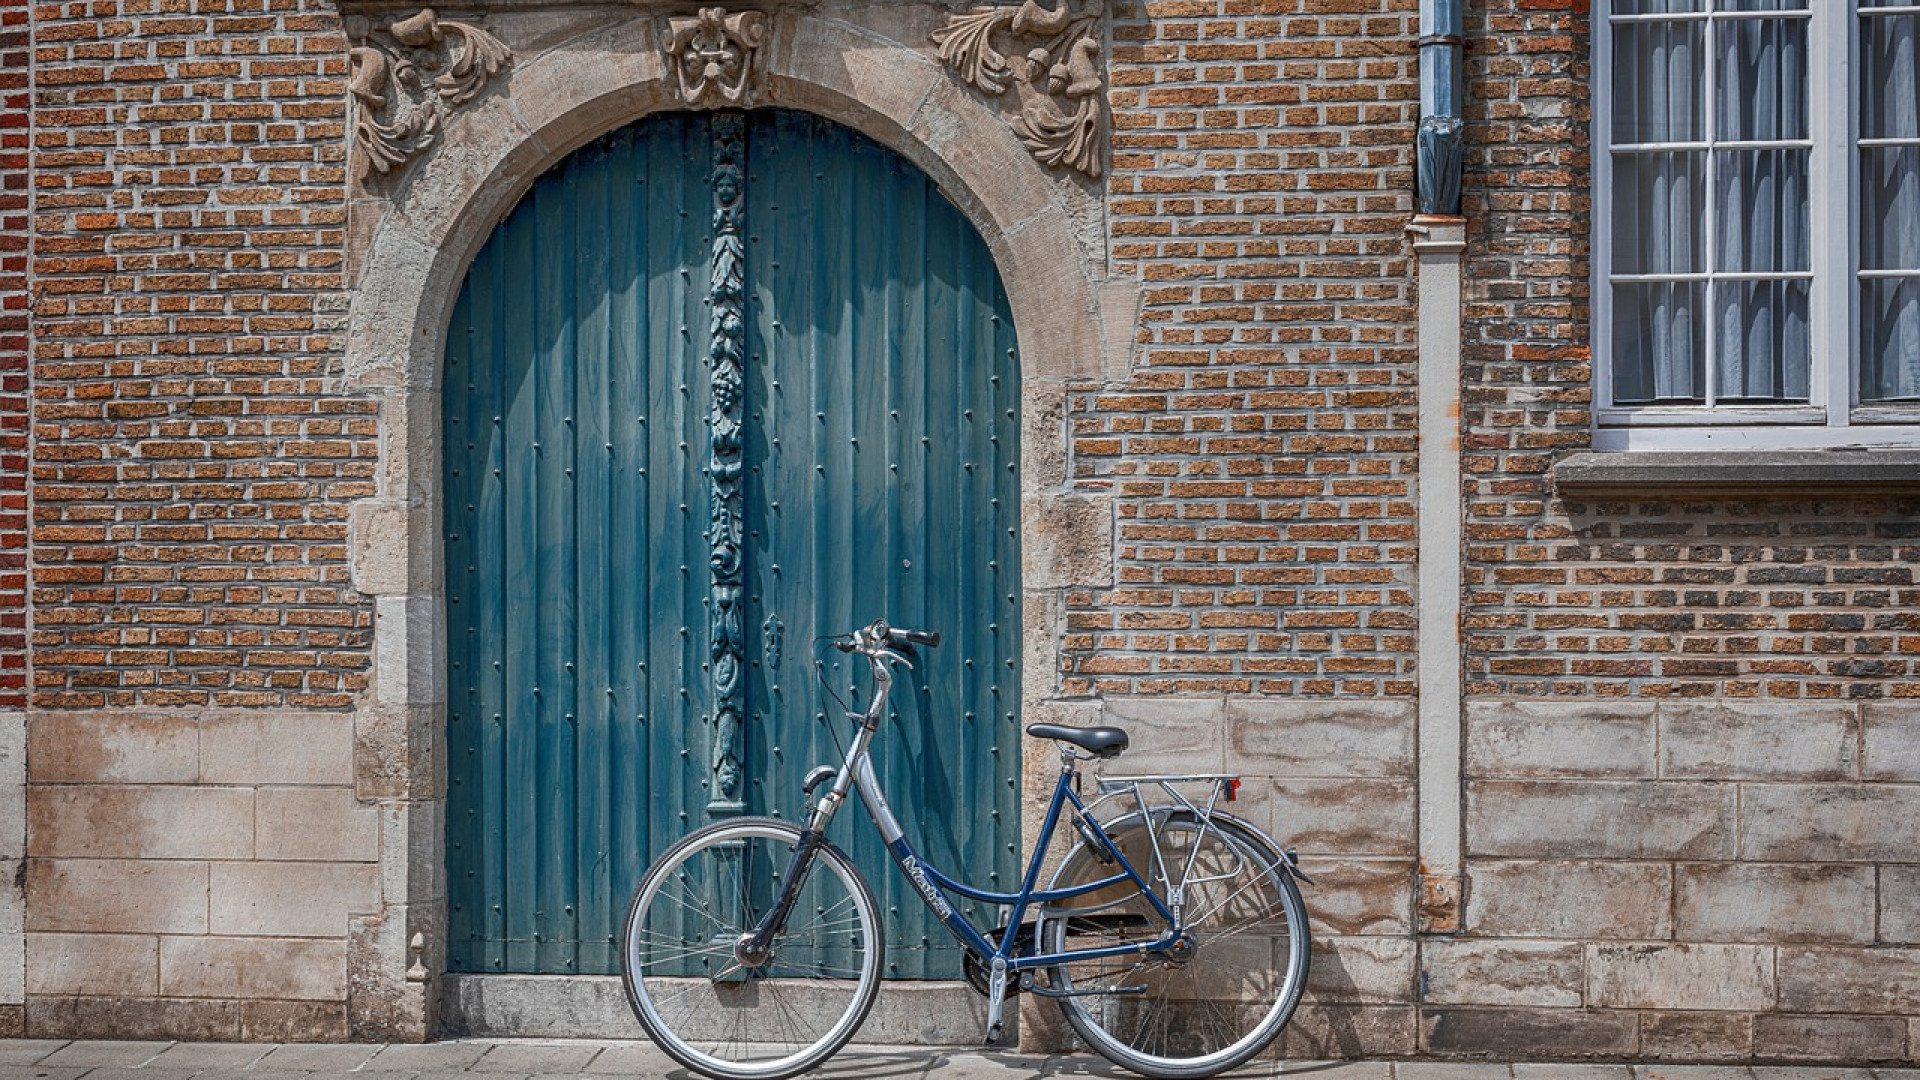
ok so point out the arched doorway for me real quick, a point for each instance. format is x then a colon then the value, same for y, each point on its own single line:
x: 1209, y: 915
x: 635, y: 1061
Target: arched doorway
x: 876, y: 464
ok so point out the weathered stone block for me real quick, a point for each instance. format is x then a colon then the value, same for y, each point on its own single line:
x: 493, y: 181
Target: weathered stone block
x: 1830, y: 1038
x: 1556, y: 739
x: 1891, y: 741
x: 289, y: 899
x: 294, y: 1021
x: 1680, y: 976
x: 1521, y: 1032
x: 1321, y: 738
x: 1348, y: 1031
x: 1595, y: 819
x: 133, y: 1018
x: 116, y: 895
x: 1362, y: 970
x: 1829, y: 823
x: 13, y: 784
x: 1350, y: 816
x: 1841, y: 980
x: 1769, y: 903
x: 1730, y: 740
x: 1900, y: 905
x: 315, y: 824
x: 1169, y: 734
x: 104, y: 964
x: 1467, y: 971
x: 1067, y: 541
x: 254, y: 967
x: 114, y: 748
x: 152, y: 822
x: 1696, y: 1036
x: 277, y: 748
x: 1569, y: 900
x: 1359, y: 896
x: 408, y: 650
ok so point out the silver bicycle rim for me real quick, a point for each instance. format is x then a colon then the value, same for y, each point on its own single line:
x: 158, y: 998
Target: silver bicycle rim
x: 750, y: 1025
x: 1096, y: 1017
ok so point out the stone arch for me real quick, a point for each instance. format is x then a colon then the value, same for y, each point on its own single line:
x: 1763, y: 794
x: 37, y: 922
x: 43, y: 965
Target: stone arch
x: 408, y: 253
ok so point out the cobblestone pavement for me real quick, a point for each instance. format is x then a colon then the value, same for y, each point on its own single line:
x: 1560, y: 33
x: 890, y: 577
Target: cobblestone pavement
x: 527, y: 1059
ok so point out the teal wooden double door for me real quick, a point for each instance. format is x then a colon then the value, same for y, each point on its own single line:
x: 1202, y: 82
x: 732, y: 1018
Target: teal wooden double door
x: 721, y: 385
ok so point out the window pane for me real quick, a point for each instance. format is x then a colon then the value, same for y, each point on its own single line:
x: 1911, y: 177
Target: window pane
x: 1659, y: 343
x: 1658, y: 202
x: 1656, y: 7
x: 1889, y: 88
x: 1762, y: 74
x: 1890, y: 340
x: 1763, y: 342
x: 1657, y: 73
x: 1760, y: 5
x: 1760, y: 211
x: 1890, y: 208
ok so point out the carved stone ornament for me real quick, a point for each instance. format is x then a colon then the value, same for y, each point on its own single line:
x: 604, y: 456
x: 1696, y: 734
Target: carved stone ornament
x: 1051, y: 59
x: 406, y: 73
x: 715, y: 53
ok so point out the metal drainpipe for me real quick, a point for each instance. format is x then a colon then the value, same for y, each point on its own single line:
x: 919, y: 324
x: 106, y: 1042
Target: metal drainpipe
x: 1437, y: 144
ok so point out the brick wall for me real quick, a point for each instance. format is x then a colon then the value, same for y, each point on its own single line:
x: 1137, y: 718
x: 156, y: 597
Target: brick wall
x: 15, y: 126
x: 1260, y: 453
x: 1690, y: 775
x: 191, y: 460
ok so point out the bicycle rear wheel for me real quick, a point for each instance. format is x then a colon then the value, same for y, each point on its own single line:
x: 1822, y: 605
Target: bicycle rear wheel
x: 1224, y: 1000
x: 696, y: 998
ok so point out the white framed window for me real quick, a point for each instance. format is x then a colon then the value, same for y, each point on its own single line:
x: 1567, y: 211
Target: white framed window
x: 1756, y: 215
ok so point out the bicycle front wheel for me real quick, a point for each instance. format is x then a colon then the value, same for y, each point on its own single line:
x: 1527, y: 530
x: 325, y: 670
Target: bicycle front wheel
x: 1219, y: 998
x: 706, y: 1007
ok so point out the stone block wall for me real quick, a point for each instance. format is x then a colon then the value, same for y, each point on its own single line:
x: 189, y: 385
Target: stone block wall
x: 194, y: 875
x: 1686, y: 879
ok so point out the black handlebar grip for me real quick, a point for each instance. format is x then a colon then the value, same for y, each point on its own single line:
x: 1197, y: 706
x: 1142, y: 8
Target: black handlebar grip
x: 918, y: 637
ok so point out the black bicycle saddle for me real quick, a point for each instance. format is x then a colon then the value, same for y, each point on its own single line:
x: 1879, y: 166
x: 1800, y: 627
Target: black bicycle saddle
x: 1101, y: 742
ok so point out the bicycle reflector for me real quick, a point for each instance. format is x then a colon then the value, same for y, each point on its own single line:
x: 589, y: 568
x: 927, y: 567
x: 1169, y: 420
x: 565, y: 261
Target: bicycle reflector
x: 1233, y: 788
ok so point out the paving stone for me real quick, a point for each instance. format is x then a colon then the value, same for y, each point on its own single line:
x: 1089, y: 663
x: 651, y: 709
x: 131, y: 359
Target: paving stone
x: 201, y: 1056
x: 430, y: 1057
x: 116, y: 1072
x: 529, y: 1058
x: 1692, y: 1072
x: 40, y: 1072
x: 1526, y: 1070
x: 97, y: 1053
x: 1309, y: 1069
x: 631, y: 1059
x: 318, y: 1057
x: 27, y: 1051
x: 1450, y: 1070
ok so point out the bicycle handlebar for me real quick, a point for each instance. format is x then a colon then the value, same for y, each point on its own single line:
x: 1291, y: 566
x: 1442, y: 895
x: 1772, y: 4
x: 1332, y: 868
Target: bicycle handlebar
x: 880, y: 635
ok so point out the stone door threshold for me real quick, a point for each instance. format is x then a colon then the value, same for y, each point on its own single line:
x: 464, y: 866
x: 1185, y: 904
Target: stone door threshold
x: 908, y: 1013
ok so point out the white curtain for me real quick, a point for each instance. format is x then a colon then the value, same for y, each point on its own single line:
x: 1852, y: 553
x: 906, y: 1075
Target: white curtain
x: 1659, y: 328
x: 1890, y: 208
x: 1761, y: 331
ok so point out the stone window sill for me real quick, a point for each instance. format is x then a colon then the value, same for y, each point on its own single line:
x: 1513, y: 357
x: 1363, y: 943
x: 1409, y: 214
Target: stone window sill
x: 1733, y: 471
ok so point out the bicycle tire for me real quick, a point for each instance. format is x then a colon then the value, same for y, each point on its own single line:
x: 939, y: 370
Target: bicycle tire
x: 1182, y: 1019
x: 717, y: 1016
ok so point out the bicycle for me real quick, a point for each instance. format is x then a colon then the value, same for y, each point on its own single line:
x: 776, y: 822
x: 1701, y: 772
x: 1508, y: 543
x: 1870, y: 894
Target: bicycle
x: 752, y: 951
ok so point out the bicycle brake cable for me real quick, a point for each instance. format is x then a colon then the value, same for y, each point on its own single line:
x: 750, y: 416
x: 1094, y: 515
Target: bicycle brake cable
x: 820, y: 673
